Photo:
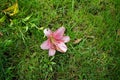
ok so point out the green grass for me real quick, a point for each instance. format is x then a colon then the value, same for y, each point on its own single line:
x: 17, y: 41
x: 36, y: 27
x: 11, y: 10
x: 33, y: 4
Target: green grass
x: 95, y: 57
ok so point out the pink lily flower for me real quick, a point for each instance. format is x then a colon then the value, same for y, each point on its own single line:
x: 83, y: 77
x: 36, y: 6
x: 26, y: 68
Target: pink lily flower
x: 56, y: 41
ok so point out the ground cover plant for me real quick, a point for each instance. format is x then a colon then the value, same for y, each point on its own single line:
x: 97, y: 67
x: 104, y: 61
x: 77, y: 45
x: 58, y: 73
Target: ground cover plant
x: 93, y: 50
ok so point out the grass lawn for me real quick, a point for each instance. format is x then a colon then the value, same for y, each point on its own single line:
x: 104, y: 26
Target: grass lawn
x: 93, y: 51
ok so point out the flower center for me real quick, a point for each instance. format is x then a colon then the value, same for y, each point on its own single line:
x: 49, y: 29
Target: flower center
x: 52, y: 39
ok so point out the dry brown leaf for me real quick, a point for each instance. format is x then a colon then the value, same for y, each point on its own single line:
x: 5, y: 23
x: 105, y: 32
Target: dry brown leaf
x: 118, y: 32
x: 77, y: 41
x: 1, y: 34
x: 12, y: 9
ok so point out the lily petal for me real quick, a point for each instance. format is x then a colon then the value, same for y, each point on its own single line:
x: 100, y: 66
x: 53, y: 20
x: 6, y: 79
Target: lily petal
x: 61, y: 47
x: 47, y: 32
x: 52, y: 52
x: 58, y: 34
x: 46, y: 44
x: 66, y: 39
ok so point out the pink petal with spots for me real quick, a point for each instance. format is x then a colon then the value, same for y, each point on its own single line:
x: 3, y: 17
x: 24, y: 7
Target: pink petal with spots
x: 61, y: 47
x: 58, y: 34
x: 66, y: 39
x: 46, y: 44
x: 52, y: 52
x: 47, y: 32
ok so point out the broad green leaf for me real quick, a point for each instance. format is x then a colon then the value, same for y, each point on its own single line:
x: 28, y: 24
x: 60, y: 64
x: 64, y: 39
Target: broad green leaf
x: 7, y: 42
x: 27, y: 18
x: 26, y: 28
x: 2, y: 19
x: 41, y: 28
x: 53, y: 63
